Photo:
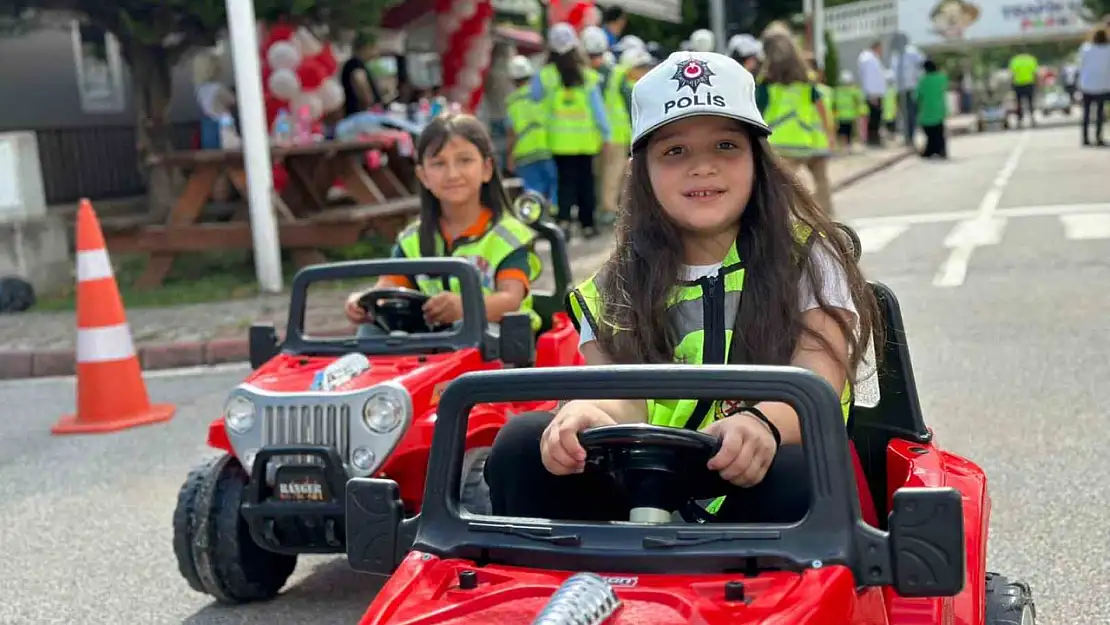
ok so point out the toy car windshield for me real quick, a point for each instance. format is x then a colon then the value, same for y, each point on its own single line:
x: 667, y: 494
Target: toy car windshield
x: 395, y: 322
x: 917, y: 558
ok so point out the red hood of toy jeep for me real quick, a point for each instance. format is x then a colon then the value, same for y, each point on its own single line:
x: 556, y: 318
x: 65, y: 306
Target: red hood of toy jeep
x: 294, y: 374
x: 426, y: 591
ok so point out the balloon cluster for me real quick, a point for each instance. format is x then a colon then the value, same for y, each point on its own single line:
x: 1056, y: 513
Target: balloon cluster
x: 298, y: 73
x: 465, y: 48
x: 578, y: 14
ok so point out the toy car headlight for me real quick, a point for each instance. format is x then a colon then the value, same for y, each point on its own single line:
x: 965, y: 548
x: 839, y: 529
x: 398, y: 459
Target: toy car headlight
x: 387, y: 408
x: 239, y: 414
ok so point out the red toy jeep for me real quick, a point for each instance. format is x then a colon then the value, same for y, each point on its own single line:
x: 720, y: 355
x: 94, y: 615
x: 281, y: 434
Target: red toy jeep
x: 319, y: 411
x: 913, y: 554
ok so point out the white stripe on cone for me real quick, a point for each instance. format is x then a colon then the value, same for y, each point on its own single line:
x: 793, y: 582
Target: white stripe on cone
x: 93, y: 265
x: 104, y: 344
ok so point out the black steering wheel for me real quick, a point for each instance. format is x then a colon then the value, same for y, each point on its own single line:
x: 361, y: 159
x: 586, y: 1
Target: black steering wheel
x: 656, y: 467
x: 396, y: 309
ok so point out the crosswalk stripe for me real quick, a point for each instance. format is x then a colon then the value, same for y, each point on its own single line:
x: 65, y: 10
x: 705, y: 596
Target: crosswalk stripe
x: 1086, y: 227
x: 976, y: 232
x: 876, y: 238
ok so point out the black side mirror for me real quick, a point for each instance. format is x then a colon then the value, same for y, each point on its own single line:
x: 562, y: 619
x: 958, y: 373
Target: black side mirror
x: 927, y: 542
x: 375, y: 533
x: 262, y: 342
x: 517, y: 343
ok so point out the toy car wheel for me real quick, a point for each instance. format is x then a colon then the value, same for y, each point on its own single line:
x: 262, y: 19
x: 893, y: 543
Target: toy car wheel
x: 213, y: 546
x: 1009, y: 603
x: 475, y: 492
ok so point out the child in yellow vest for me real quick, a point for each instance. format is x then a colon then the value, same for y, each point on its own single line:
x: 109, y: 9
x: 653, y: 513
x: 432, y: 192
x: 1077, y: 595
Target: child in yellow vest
x: 848, y: 106
x: 528, y: 149
x: 890, y: 104
x: 616, y: 91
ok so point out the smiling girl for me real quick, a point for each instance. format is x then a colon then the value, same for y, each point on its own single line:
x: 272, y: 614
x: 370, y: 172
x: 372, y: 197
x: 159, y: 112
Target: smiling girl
x: 722, y: 256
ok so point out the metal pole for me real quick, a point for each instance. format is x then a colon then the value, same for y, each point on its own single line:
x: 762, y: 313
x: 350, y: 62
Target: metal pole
x: 243, y: 36
x: 717, y: 25
x: 819, y: 33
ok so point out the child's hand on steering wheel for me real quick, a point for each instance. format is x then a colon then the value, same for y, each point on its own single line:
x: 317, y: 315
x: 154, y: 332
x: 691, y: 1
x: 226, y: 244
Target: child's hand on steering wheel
x: 747, y: 449
x: 443, y: 308
x: 559, y: 447
x: 356, y: 314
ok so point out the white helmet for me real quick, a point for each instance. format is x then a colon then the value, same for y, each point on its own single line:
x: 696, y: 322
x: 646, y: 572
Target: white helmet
x: 594, y: 40
x: 636, y: 57
x: 745, y: 45
x: 846, y: 77
x: 702, y: 40
x: 630, y: 41
x: 520, y: 67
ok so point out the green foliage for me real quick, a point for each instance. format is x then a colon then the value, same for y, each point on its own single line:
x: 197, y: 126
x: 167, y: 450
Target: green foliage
x: 1096, y: 9
x: 695, y: 15
x: 832, y: 61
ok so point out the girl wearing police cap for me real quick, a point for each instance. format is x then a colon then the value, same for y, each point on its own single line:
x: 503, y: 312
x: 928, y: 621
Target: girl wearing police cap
x: 721, y: 257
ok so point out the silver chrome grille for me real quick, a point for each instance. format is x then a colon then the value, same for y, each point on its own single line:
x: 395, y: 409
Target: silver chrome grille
x: 319, y: 424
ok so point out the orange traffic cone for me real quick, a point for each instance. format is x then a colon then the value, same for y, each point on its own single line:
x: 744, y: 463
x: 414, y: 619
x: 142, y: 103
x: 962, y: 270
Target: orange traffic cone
x: 111, y: 393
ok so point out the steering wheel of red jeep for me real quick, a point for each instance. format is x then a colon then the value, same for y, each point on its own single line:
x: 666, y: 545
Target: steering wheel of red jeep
x: 396, y: 309
x: 656, y: 467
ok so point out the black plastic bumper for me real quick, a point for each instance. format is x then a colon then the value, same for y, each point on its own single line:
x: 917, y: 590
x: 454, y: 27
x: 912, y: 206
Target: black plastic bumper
x: 305, y: 510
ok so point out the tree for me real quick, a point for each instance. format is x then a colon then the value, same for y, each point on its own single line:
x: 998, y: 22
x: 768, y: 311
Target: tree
x: 155, y: 35
x: 832, y: 61
x: 1096, y: 10
x: 695, y: 15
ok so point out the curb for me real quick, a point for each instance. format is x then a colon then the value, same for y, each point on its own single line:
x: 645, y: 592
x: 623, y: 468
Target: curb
x: 16, y: 365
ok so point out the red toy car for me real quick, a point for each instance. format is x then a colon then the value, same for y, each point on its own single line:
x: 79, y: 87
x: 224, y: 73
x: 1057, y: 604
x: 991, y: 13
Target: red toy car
x: 318, y: 411
x: 915, y: 554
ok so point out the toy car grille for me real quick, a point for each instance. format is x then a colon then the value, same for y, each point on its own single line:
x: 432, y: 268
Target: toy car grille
x: 327, y: 425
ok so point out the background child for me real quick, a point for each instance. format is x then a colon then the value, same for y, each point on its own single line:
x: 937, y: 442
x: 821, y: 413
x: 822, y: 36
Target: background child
x: 528, y: 148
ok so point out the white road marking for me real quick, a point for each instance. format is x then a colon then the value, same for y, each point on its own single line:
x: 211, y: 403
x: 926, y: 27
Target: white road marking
x: 876, y: 238
x: 915, y: 219
x: 983, y: 229
x: 1086, y: 227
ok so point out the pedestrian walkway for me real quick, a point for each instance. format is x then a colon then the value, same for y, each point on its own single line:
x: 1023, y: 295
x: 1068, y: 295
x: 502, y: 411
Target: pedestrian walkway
x: 216, y: 332
x: 953, y: 248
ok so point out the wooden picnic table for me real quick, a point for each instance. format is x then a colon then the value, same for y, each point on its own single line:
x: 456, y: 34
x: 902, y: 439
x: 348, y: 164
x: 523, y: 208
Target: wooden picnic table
x: 385, y: 199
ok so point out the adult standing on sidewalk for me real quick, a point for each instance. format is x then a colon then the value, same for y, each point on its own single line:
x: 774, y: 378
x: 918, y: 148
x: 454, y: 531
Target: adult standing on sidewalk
x: 577, y: 126
x: 1094, y: 82
x: 932, y: 109
x: 872, y: 81
x: 793, y: 108
x: 1023, y: 76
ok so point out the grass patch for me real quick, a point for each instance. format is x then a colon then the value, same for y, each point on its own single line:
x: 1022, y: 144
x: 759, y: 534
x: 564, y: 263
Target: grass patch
x: 210, y: 277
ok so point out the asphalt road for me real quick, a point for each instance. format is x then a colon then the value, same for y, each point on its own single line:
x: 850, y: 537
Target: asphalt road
x: 1008, y: 329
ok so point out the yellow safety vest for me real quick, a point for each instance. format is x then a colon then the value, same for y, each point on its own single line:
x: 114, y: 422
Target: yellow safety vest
x: 702, y: 313
x: 616, y: 108
x: 529, y: 122
x: 849, y: 103
x: 487, y: 252
x: 890, y: 105
x: 796, y: 128
x: 570, y: 124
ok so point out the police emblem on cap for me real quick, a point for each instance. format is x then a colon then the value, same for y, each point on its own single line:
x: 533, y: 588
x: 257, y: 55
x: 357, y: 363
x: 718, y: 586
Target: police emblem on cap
x: 692, y: 73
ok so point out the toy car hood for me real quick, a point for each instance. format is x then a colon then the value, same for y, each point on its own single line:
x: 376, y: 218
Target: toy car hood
x: 428, y: 590
x: 351, y: 372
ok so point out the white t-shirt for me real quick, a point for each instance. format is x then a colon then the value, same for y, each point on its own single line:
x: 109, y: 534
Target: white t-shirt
x: 208, y: 96
x: 834, y: 285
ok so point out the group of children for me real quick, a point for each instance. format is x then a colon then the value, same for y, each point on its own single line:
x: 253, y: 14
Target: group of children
x: 931, y: 98
x: 707, y: 212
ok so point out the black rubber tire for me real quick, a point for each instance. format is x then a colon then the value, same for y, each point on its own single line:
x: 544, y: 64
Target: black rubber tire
x: 16, y: 295
x: 854, y: 244
x: 474, y: 495
x: 184, y: 524
x: 229, y: 565
x: 1007, y: 602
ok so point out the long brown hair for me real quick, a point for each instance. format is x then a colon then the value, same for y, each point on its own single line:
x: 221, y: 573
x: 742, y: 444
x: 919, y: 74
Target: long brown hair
x: 639, y: 275
x: 569, y: 65
x: 432, y: 139
x: 783, y: 62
